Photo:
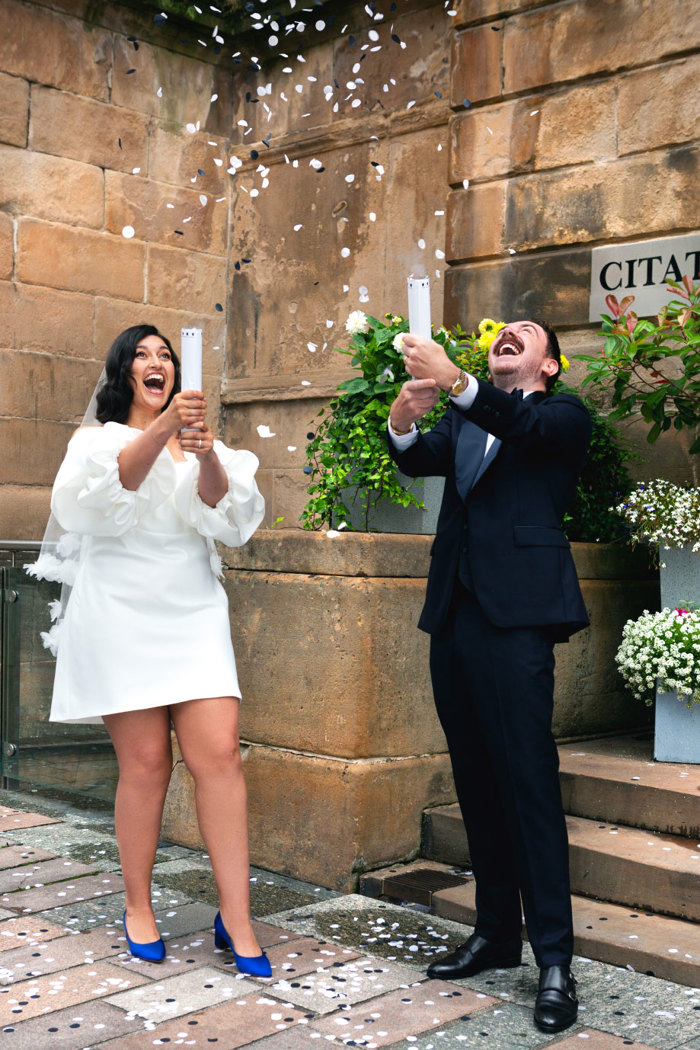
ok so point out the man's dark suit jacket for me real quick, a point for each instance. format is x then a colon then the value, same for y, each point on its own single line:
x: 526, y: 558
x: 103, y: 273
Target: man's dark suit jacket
x: 500, y: 523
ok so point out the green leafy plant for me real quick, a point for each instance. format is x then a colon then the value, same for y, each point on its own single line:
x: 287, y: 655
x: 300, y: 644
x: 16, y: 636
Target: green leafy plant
x: 652, y: 366
x: 605, y: 480
x: 349, y: 461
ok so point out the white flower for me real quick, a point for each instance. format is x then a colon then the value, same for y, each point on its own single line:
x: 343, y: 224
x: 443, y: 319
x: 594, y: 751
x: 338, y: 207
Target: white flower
x: 356, y: 323
x: 664, y: 514
x: 662, y: 649
x: 398, y: 341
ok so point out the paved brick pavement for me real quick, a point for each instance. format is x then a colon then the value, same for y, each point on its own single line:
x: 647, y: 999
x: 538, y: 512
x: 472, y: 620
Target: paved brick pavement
x: 347, y: 970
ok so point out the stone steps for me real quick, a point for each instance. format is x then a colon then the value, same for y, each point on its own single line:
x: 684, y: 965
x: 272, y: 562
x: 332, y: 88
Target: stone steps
x: 653, y: 944
x: 634, y: 856
x: 615, y: 780
x: 629, y: 866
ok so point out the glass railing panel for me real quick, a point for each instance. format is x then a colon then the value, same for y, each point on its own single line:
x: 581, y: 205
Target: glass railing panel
x: 37, y: 753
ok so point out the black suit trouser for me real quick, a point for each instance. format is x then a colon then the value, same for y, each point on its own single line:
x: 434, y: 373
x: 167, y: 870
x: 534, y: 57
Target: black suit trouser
x: 493, y: 691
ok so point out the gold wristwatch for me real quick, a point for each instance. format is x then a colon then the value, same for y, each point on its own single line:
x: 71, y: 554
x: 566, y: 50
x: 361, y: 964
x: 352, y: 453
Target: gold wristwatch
x: 460, y: 384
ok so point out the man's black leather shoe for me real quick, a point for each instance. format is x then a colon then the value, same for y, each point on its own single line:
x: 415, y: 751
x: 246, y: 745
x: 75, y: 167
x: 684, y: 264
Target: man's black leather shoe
x: 475, y: 955
x: 556, y: 1007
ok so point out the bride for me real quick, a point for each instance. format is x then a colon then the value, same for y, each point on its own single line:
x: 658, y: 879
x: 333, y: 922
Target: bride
x: 144, y: 639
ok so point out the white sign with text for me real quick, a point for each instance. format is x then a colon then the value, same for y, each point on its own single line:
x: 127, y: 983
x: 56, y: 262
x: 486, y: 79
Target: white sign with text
x: 642, y: 269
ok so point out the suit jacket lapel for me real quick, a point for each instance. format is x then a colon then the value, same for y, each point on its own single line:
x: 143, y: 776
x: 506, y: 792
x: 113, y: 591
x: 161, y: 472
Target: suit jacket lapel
x: 469, y: 456
x: 488, y: 459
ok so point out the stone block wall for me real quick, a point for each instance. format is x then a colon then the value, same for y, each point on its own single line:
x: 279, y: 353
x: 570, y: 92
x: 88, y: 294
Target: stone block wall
x: 342, y: 745
x: 357, y: 165
x: 114, y: 121
x: 96, y: 100
x: 510, y: 136
x: 574, y: 124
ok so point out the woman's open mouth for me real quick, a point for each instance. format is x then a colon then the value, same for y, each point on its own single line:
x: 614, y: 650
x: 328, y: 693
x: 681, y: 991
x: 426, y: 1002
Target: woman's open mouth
x: 155, y: 382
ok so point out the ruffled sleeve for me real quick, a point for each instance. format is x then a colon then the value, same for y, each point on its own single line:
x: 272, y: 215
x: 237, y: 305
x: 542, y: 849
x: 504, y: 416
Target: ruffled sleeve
x: 240, y: 510
x: 88, y: 496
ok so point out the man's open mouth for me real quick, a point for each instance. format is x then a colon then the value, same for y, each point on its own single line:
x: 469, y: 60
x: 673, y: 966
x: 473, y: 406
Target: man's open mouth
x: 155, y: 382
x: 509, y: 347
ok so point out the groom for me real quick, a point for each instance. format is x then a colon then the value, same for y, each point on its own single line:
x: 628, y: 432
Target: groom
x: 502, y: 589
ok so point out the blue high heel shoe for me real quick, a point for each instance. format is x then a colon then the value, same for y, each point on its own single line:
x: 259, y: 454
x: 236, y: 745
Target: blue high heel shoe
x: 154, y: 951
x: 255, y: 965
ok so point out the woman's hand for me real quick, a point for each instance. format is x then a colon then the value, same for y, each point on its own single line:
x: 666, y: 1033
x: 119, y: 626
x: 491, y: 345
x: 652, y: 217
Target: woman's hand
x: 187, y: 409
x: 212, y: 483
x: 198, y: 440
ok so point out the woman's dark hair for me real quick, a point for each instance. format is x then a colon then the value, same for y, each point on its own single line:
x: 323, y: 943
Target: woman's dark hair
x: 117, y: 392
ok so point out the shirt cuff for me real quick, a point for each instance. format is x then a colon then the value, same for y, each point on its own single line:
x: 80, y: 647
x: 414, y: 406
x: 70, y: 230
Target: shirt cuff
x: 403, y: 441
x: 467, y: 397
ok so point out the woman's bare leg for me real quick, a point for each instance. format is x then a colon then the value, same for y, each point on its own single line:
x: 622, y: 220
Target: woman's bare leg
x: 207, y: 732
x: 142, y: 742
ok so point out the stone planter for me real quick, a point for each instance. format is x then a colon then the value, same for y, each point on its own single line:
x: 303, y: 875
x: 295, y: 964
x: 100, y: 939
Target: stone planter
x: 679, y: 577
x: 389, y: 517
x: 676, y: 730
x: 676, y: 726
x: 343, y: 749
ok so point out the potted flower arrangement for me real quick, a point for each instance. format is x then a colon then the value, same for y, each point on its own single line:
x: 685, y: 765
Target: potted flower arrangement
x: 668, y: 516
x: 652, y: 369
x: 660, y: 655
x: 352, y: 476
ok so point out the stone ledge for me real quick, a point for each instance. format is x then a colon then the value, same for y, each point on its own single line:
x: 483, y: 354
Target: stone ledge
x: 369, y: 554
x: 349, y: 554
x: 281, y: 387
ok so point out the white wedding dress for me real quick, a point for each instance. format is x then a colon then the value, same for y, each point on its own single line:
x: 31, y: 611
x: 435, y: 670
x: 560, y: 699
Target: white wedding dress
x: 147, y: 622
